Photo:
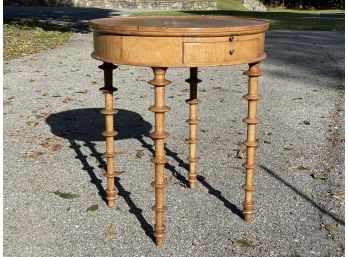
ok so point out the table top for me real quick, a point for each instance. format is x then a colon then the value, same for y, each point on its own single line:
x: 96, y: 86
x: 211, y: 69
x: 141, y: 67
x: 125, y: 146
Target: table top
x: 180, y: 25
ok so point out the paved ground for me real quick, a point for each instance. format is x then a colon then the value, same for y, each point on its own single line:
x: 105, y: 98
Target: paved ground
x: 51, y: 103
x: 73, y: 18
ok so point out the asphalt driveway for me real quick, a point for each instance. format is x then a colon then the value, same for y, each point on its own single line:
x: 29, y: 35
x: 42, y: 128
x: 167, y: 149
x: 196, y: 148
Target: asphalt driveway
x: 52, y: 143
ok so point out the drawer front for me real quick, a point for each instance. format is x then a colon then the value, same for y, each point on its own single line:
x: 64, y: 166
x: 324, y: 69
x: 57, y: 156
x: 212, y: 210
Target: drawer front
x: 223, y: 51
x: 152, y: 51
x: 139, y: 51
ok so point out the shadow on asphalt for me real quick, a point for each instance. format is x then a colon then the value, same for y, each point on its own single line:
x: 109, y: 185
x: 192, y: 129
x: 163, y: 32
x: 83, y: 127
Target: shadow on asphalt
x: 301, y: 194
x: 64, y: 17
x: 87, y: 124
x: 234, y: 209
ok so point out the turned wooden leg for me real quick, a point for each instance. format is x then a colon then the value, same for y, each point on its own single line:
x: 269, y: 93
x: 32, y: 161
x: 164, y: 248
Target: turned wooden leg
x: 251, y: 143
x: 159, y: 82
x: 193, y: 121
x: 109, y: 132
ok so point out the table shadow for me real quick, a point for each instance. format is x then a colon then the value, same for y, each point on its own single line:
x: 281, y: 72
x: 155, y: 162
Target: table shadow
x: 85, y: 125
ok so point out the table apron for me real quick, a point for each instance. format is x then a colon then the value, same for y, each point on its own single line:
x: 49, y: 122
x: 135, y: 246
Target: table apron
x: 178, y: 51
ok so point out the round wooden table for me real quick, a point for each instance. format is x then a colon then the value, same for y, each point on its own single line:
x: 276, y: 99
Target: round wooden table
x: 188, y: 41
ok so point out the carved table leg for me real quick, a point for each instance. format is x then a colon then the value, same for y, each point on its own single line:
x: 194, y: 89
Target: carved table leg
x: 193, y: 121
x: 109, y: 132
x: 159, y: 82
x: 251, y: 143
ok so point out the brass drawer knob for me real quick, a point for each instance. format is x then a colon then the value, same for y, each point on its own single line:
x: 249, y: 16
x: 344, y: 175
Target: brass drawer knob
x: 231, y: 51
x: 231, y: 38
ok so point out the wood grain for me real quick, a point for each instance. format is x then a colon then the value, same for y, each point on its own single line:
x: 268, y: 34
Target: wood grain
x: 180, y: 26
x: 188, y: 41
x: 251, y: 143
x: 159, y: 82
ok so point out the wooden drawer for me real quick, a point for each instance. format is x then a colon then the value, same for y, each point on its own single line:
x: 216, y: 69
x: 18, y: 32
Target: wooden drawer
x: 222, y: 51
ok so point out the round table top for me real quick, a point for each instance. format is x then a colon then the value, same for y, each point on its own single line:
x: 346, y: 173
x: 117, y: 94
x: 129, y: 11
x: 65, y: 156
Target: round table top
x: 180, y: 25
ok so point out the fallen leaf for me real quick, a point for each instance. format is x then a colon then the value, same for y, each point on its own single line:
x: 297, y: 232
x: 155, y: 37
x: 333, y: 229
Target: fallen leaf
x: 92, y: 208
x: 32, y: 154
x: 84, y: 91
x: 56, y: 147
x: 7, y: 103
x: 32, y: 124
x: 51, y: 143
x: 140, y: 153
x: 66, y: 195
x: 168, y: 180
x: 194, y: 242
x: 299, y: 254
x: 45, y: 143
x: 111, y: 232
x: 339, y: 196
x: 297, y: 98
x: 242, y: 243
x: 331, y: 228
x: 67, y: 99
x: 39, y: 117
x: 206, y: 173
x: 289, y: 148
x: 318, y: 176
x: 240, y: 153
x: 31, y: 81
x: 220, y: 88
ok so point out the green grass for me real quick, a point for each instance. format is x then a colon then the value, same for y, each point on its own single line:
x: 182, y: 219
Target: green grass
x: 23, y: 37
x: 279, y: 18
x: 230, y: 5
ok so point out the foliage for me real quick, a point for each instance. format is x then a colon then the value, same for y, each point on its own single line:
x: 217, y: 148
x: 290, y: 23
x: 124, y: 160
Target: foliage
x: 24, y: 36
x: 319, y: 4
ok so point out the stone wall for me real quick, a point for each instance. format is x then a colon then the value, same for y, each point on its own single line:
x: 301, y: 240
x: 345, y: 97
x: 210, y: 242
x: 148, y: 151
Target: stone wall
x: 124, y: 4
x: 254, y: 5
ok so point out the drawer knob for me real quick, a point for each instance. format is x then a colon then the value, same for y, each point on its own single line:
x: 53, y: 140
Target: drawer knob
x: 231, y: 38
x: 231, y: 51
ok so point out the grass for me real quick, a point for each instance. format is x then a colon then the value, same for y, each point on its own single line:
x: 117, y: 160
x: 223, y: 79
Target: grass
x: 230, y: 5
x: 23, y: 37
x: 279, y: 18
